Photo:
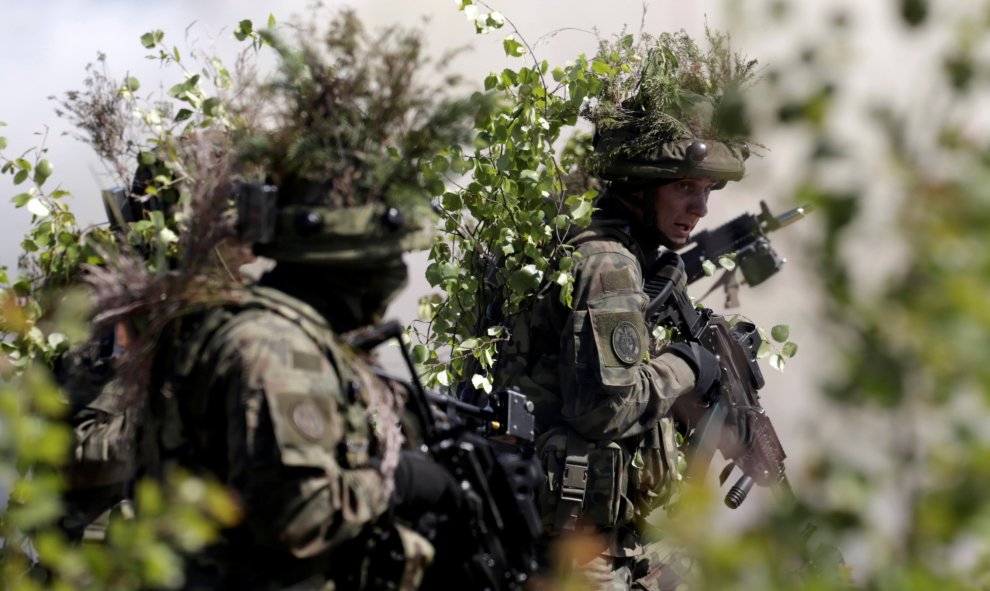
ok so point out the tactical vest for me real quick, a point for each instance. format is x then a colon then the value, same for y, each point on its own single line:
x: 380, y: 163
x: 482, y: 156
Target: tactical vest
x: 181, y: 363
x: 605, y: 483
x: 362, y: 433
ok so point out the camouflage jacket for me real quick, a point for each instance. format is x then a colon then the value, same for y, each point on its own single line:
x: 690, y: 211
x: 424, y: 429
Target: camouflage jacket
x: 265, y: 398
x: 589, y: 372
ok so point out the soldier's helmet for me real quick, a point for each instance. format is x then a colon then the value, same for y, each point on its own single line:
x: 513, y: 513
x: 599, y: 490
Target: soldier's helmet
x: 678, y: 114
x: 331, y: 174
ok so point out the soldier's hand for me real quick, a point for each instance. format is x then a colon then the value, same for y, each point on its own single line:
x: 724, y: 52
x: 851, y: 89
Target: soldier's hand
x: 423, y: 486
x: 702, y: 361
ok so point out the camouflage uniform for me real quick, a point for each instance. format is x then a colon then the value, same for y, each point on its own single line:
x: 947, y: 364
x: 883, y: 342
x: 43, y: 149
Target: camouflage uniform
x: 101, y: 469
x: 602, y: 402
x: 263, y: 396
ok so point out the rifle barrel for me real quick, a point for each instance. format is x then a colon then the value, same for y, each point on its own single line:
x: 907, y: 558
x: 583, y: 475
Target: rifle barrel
x: 789, y: 217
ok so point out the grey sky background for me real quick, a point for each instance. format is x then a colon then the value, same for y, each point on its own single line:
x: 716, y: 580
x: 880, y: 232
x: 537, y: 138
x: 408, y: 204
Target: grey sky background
x: 44, y: 47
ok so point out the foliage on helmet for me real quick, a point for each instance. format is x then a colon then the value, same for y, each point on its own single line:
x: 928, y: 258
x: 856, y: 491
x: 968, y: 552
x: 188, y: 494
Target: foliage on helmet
x: 352, y: 111
x: 670, y: 92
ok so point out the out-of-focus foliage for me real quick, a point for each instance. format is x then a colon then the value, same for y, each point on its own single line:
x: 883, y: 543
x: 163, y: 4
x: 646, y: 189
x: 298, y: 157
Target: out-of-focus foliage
x: 899, y: 256
x: 45, y: 313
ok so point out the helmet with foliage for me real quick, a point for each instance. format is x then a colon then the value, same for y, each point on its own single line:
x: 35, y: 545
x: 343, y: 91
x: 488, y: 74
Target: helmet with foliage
x: 674, y: 111
x: 331, y: 148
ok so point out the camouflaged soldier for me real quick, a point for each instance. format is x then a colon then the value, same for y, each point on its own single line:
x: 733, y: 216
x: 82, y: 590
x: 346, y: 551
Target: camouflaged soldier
x: 262, y: 392
x: 605, y: 396
x: 264, y: 395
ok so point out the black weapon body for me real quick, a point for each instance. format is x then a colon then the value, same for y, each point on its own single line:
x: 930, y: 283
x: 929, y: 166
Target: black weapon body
x: 736, y: 347
x: 746, y: 238
x: 485, y: 449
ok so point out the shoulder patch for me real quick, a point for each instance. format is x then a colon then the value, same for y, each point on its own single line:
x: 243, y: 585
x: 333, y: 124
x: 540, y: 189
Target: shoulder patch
x: 308, y: 419
x: 305, y: 361
x: 626, y: 342
x: 618, y: 280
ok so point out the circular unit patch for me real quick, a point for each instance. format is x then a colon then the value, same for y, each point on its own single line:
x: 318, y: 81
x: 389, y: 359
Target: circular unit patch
x: 308, y: 420
x: 626, y: 342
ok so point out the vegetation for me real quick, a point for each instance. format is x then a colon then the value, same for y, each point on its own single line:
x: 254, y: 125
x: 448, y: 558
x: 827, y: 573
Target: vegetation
x: 909, y: 381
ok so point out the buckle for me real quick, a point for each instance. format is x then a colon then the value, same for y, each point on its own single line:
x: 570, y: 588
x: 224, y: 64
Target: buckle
x: 574, y: 483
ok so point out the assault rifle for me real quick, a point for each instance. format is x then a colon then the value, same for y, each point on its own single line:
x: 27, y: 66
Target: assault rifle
x: 736, y: 346
x: 761, y: 462
x: 746, y: 236
x: 480, y: 447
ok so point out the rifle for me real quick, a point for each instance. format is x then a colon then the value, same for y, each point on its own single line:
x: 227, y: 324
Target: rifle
x: 746, y: 236
x: 481, y: 447
x: 736, y: 346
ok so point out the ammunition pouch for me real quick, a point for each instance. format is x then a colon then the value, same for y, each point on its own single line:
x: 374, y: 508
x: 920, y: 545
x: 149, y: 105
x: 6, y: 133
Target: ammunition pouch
x: 604, y: 483
x: 585, y: 482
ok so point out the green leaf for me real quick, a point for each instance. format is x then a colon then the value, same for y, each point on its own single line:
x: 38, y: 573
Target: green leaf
x: 244, y: 29
x: 271, y: 20
x: 524, y: 279
x: 780, y: 332
x: 3, y: 143
x: 789, y: 349
x: 210, y: 106
x: 481, y: 382
x: 763, y: 351
x: 132, y: 84
x: 420, y: 353
x: 20, y: 177
x: 152, y: 38
x: 708, y: 268
x: 583, y: 210
x: 512, y: 47
x: 21, y: 199
x: 777, y: 362
x: 42, y: 171
x: 182, y: 115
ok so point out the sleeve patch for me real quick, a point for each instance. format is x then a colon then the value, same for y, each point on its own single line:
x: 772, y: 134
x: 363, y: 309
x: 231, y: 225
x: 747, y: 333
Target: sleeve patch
x: 618, y: 280
x: 308, y: 419
x: 305, y: 428
x: 620, y: 338
x: 306, y: 361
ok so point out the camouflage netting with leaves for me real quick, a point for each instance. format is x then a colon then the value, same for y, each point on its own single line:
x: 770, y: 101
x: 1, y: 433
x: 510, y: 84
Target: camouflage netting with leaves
x: 669, y: 87
x: 525, y: 182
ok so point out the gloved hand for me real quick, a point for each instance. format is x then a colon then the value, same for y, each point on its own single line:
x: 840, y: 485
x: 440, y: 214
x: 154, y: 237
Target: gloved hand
x: 737, y: 433
x: 422, y: 486
x: 705, y: 365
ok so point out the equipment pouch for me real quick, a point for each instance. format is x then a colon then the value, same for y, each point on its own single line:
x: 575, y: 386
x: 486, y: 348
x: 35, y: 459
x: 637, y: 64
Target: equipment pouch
x: 584, y: 482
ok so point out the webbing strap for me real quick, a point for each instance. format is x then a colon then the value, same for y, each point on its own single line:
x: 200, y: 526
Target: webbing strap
x: 574, y: 483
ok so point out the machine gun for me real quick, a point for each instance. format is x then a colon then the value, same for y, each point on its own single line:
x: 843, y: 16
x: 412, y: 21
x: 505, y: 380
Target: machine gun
x: 746, y: 236
x: 480, y: 447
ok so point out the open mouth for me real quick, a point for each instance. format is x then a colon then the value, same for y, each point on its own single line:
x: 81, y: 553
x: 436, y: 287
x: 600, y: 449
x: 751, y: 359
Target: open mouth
x: 682, y: 228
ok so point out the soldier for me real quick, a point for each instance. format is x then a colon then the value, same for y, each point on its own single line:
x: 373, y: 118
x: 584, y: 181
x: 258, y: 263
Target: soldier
x: 265, y: 396
x: 255, y: 386
x: 606, y: 398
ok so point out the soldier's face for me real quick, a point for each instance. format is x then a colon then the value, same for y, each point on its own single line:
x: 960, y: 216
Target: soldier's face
x: 679, y: 206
